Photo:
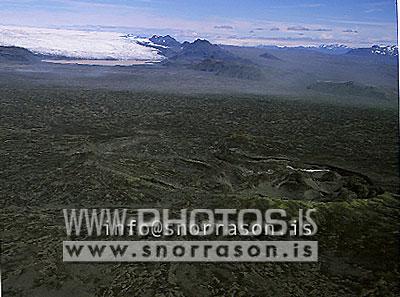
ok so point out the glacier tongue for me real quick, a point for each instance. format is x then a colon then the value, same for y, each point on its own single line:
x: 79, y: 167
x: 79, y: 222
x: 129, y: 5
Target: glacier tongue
x: 78, y: 44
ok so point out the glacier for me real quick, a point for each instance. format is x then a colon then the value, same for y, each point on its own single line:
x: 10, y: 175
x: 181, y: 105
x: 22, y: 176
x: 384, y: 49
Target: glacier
x: 80, y: 44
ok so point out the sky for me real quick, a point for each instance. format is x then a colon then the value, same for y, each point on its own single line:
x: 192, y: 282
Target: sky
x: 355, y: 23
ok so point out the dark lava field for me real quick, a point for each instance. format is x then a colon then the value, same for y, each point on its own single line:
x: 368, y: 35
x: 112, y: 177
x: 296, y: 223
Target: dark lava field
x: 77, y: 148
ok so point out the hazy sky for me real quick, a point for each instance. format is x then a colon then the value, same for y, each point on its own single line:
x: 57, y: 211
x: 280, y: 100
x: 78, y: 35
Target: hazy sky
x: 250, y: 22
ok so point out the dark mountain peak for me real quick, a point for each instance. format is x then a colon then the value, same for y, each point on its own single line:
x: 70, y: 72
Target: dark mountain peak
x: 269, y: 56
x: 202, y: 49
x: 200, y: 44
x: 202, y: 41
x: 202, y: 55
x: 17, y: 54
x: 166, y: 40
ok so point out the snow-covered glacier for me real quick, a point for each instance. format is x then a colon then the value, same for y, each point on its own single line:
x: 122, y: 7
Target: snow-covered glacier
x: 79, y: 44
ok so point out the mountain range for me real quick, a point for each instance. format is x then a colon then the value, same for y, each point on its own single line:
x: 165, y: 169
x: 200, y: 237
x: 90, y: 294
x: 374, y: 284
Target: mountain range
x: 376, y: 50
x: 366, y: 74
x: 341, y: 49
x: 112, y: 45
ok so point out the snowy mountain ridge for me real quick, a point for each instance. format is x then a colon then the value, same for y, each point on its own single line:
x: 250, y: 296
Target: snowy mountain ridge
x: 390, y: 50
x: 80, y: 44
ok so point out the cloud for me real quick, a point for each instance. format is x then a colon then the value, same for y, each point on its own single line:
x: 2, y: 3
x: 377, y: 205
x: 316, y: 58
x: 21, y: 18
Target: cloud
x: 302, y: 28
x: 298, y: 28
x: 373, y: 10
x: 279, y: 41
x: 294, y: 6
x: 311, y: 5
x: 301, y: 39
x: 350, y: 31
x: 274, y: 29
x: 374, y: 7
x: 282, y: 38
x: 225, y: 27
x: 322, y: 30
